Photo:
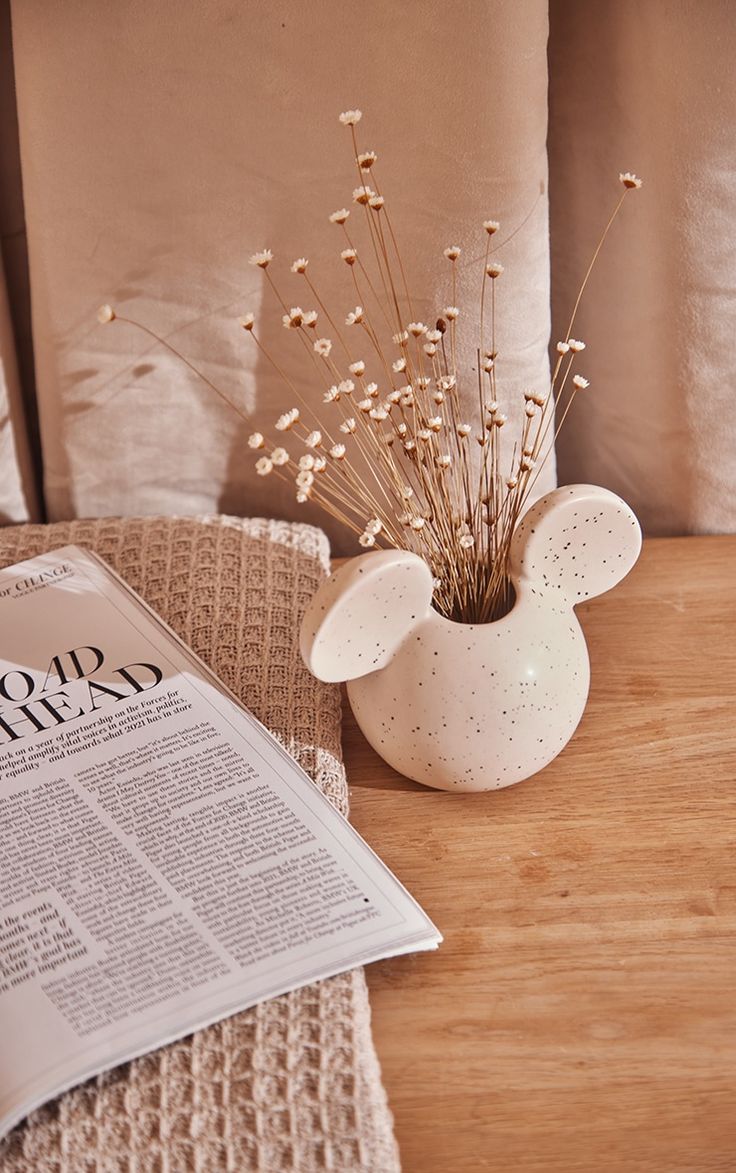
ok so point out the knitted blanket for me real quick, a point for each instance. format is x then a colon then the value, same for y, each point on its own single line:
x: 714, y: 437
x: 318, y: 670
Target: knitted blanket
x: 292, y: 1085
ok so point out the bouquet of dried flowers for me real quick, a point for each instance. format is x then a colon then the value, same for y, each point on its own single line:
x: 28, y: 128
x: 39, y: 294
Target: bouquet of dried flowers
x: 393, y: 455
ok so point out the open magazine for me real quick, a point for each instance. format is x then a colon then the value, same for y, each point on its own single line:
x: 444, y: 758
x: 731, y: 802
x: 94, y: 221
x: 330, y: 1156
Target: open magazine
x: 163, y: 861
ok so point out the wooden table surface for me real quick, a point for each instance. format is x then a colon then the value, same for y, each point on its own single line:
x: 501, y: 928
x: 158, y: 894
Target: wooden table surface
x: 581, y: 1012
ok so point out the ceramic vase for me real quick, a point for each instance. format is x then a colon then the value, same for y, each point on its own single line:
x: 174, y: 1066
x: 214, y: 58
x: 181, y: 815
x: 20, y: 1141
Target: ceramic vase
x: 474, y: 706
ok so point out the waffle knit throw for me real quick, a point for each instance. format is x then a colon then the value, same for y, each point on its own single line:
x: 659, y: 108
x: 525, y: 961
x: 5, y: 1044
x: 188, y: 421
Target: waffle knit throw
x: 293, y: 1084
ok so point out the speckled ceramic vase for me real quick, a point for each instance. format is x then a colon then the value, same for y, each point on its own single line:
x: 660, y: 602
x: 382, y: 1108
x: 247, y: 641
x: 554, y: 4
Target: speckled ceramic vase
x: 465, y: 706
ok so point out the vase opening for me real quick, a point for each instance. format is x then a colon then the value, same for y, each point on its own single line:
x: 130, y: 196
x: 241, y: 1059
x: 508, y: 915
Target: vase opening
x: 477, y: 611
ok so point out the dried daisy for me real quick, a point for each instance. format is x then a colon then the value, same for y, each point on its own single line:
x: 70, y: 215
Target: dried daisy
x: 247, y: 322
x: 355, y: 317
x: 491, y: 226
x: 300, y: 265
x: 493, y: 269
x: 351, y: 117
x: 580, y: 382
x: 630, y: 180
x: 105, y: 314
x: 452, y: 253
x: 264, y: 465
x: 349, y: 255
x: 366, y: 160
x: 280, y: 456
x: 262, y: 259
x: 340, y: 216
x: 323, y: 346
x: 256, y: 440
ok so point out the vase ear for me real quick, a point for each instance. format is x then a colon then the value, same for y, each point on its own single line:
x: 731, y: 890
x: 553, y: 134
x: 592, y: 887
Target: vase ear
x: 578, y: 541
x: 362, y: 614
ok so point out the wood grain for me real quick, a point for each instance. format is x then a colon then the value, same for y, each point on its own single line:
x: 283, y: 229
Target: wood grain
x: 581, y: 1012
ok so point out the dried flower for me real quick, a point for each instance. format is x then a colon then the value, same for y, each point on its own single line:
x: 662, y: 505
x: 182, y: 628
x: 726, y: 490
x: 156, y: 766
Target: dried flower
x: 310, y: 318
x: 314, y: 439
x: 355, y: 316
x: 362, y: 195
x: 417, y: 523
x: 323, y: 346
x: 400, y: 339
x: 264, y: 465
x: 256, y: 440
x: 349, y: 255
x: 576, y: 346
x: 348, y: 426
x: 367, y: 539
x: 337, y: 451
x: 306, y: 462
x: 286, y: 421
x: 294, y: 318
x: 443, y: 461
x: 105, y: 314
x: 435, y: 423
x: 417, y: 328
x: 580, y: 382
x: 376, y: 202
x: 332, y: 394
x: 302, y: 496
x: 630, y: 180
x: 399, y: 365
x: 374, y: 526
x: 434, y: 335
x: 453, y: 252
x: 530, y: 409
x: 493, y: 269
x: 378, y: 413
x: 372, y: 390
x: 262, y: 259
x: 351, y: 117
x: 247, y: 321
x: 430, y: 349
x: 300, y: 265
x: 340, y: 216
x: 466, y: 540
x: 491, y: 226
x: 280, y: 456
x: 357, y: 368
x: 451, y: 312
x: 563, y: 347
x: 366, y: 160
x: 305, y: 479
x: 463, y: 430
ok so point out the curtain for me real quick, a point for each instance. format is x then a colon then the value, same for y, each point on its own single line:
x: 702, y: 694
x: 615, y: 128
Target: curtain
x: 162, y: 144
x: 649, y: 85
x: 18, y: 497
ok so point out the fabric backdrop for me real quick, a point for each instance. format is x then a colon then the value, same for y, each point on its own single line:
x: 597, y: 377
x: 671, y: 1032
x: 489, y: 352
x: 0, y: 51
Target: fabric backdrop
x: 163, y: 143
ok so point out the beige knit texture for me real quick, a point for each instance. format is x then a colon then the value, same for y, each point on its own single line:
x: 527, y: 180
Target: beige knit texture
x: 293, y: 1084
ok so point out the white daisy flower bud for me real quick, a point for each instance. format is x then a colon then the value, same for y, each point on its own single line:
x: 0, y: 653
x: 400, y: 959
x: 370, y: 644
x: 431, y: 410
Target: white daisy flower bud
x: 394, y: 396
x: 444, y: 461
x: 346, y: 387
x: 348, y: 426
x: 417, y: 328
x: 435, y: 423
x: 493, y: 269
x: 264, y: 465
x: 351, y: 117
x: 434, y: 335
x: 300, y: 265
x: 378, y: 413
x: 310, y: 318
x: 372, y: 390
x: 453, y: 252
x: 331, y: 395
x: 526, y: 464
x: 492, y: 407
x: 362, y: 195
x: 262, y: 259
x: 580, y: 382
x: 287, y: 420
x: 401, y: 338
x: 365, y: 405
x: 305, y: 479
x: 367, y: 540
x: 399, y: 365
x: 417, y: 523
x: 337, y: 451
x: 576, y: 345
x: 409, y: 445
x: 402, y: 430
x: 314, y: 439
x: 499, y: 419
x: 357, y: 368
x: 349, y: 255
x: 280, y: 456
x: 531, y: 409
x: 424, y: 435
x: 340, y: 216
x: 294, y: 317
x: 463, y: 430
x: 247, y: 321
x: 451, y: 312
x: 512, y: 482
x: 430, y: 349
x: 562, y: 347
x: 374, y: 526
x: 355, y: 316
x: 407, y: 397
x: 491, y: 226
x: 306, y: 462
x: 256, y: 440
x: 105, y: 314
x: 376, y: 202
x: 438, y: 396
x: 320, y: 463
x: 406, y: 492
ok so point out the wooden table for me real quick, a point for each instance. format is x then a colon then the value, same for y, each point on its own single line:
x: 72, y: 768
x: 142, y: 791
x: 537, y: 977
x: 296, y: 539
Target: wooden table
x: 581, y: 1013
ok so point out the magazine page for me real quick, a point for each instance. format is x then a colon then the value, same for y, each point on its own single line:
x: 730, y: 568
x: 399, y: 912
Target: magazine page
x: 163, y: 861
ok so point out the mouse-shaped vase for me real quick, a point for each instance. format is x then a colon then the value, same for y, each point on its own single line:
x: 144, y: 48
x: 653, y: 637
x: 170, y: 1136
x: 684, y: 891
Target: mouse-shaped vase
x: 462, y: 706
